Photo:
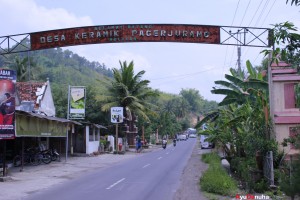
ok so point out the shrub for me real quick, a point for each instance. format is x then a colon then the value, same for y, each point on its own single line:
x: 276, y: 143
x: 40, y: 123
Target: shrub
x: 211, y: 158
x: 260, y: 186
x: 215, y: 179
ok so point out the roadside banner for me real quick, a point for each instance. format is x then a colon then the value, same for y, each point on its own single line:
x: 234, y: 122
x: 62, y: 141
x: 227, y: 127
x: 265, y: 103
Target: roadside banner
x: 7, y: 103
x: 76, y: 102
x: 116, y: 115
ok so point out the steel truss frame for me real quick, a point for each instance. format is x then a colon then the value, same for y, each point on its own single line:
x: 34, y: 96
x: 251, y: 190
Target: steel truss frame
x: 246, y: 36
x: 14, y: 44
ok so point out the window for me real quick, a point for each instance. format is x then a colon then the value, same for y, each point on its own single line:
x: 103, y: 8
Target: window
x: 289, y: 95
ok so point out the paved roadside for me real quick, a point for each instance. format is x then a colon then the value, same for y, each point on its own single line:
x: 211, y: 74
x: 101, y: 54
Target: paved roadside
x: 189, y: 188
x: 35, y: 178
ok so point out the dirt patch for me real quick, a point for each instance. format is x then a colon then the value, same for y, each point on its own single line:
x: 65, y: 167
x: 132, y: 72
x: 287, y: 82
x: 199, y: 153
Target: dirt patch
x: 189, y: 188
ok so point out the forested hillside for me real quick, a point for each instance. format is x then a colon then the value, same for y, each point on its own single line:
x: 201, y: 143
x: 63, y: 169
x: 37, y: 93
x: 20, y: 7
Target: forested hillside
x: 64, y: 68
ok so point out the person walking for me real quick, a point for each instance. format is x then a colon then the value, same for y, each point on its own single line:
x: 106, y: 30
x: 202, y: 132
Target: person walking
x: 138, y: 144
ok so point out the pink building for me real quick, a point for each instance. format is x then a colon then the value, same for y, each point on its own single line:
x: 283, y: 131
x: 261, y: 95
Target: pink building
x: 286, y: 113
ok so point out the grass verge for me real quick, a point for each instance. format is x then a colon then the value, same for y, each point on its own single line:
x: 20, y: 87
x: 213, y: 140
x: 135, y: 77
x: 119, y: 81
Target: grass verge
x: 215, y: 179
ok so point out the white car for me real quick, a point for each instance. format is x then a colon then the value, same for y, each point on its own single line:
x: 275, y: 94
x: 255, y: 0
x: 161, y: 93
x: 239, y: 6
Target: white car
x: 192, y: 136
x: 205, y: 144
x: 182, y: 137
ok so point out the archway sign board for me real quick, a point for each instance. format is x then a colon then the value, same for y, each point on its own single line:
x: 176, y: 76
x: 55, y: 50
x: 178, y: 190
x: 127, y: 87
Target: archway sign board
x: 125, y: 33
x: 185, y: 33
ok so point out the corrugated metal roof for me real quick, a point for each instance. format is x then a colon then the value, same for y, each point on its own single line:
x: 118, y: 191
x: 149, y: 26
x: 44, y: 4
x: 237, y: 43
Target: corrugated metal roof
x: 96, y: 125
x: 63, y: 120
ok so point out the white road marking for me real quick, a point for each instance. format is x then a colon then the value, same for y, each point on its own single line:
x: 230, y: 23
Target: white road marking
x: 146, y: 166
x: 159, y: 158
x: 113, y: 185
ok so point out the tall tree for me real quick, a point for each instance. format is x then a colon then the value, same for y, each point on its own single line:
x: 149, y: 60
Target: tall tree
x: 129, y: 91
x: 193, y: 97
x: 26, y: 69
x: 240, y: 125
x: 294, y: 2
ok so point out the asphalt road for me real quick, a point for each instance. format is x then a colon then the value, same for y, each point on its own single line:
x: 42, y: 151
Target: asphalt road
x: 154, y: 175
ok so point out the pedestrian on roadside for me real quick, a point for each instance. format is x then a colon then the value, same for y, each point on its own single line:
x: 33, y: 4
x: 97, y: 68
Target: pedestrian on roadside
x: 138, y: 143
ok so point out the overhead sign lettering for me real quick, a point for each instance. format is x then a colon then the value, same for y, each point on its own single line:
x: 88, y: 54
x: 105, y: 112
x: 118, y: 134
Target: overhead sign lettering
x: 125, y: 33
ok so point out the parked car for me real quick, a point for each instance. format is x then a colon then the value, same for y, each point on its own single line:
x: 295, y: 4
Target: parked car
x: 204, y: 143
x: 192, y: 136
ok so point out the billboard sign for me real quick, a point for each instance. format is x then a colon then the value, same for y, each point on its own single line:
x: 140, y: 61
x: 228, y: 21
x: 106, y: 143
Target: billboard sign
x: 116, y: 115
x: 125, y: 33
x: 76, y: 102
x: 7, y: 103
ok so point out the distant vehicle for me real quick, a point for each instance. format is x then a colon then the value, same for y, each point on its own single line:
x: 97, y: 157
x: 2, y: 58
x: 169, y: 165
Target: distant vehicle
x: 205, y: 144
x: 191, y: 131
x: 192, y: 136
x: 182, y: 137
x: 164, y: 143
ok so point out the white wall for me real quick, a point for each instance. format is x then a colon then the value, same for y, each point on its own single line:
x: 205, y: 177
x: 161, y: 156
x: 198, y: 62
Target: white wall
x: 47, y: 103
x: 92, y: 142
x: 112, y: 141
x: 92, y: 147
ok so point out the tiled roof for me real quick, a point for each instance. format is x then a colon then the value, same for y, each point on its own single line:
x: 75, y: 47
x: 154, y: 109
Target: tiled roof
x: 31, y: 91
x: 280, y: 64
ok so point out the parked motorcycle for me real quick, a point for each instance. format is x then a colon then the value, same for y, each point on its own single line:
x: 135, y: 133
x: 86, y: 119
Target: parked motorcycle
x: 30, y: 156
x: 54, y: 154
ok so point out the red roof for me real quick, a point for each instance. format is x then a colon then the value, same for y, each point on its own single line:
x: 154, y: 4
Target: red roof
x: 30, y: 91
x: 280, y: 64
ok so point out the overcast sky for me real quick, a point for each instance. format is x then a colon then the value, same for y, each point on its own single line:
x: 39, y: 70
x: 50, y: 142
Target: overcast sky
x: 169, y: 66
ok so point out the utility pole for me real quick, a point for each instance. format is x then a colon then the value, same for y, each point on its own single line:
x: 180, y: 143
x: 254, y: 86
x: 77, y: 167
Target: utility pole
x: 239, y: 59
x: 241, y: 39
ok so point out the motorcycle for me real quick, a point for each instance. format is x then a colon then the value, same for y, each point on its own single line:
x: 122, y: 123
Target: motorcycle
x: 54, y: 155
x: 174, y: 142
x: 164, y: 144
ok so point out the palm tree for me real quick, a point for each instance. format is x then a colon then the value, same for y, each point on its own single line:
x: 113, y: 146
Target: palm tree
x: 177, y: 106
x: 24, y: 72
x: 129, y: 91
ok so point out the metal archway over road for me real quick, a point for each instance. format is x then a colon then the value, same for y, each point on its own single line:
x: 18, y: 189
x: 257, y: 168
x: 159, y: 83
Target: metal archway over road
x: 186, y: 33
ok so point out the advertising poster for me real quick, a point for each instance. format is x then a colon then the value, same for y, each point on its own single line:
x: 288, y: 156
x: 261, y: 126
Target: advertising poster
x: 77, y: 102
x: 116, y: 114
x: 7, y: 103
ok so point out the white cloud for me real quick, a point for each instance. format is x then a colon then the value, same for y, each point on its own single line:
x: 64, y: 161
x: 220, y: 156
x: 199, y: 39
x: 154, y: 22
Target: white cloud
x: 29, y: 17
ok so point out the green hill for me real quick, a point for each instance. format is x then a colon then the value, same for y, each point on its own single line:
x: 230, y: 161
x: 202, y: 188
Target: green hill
x: 64, y: 68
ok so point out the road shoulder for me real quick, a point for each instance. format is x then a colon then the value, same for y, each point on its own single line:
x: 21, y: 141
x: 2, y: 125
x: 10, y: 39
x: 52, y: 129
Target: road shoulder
x: 189, y: 182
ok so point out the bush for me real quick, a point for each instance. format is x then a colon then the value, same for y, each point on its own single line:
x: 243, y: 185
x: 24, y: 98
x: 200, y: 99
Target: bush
x: 260, y: 186
x: 211, y: 158
x: 215, y: 179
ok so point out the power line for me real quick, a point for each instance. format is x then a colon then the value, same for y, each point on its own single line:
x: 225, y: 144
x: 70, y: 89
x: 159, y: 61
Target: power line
x: 245, y: 12
x: 269, y: 12
x: 181, y: 76
x: 262, y: 12
x: 261, y: 26
x: 235, y: 12
x: 255, y: 12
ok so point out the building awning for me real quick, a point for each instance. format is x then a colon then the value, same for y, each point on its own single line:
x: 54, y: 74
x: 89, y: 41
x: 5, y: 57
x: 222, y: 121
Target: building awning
x: 92, y: 124
x: 30, y: 124
x: 99, y: 126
